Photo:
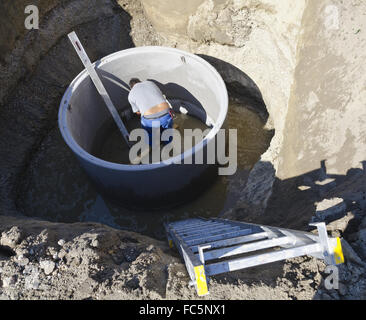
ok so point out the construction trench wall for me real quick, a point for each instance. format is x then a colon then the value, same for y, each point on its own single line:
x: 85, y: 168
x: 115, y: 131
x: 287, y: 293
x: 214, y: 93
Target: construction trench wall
x: 304, y: 58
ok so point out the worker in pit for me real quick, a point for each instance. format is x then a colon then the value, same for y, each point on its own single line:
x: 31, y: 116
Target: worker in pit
x: 147, y: 100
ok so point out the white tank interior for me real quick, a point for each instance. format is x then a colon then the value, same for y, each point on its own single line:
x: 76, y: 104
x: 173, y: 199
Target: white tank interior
x: 180, y: 75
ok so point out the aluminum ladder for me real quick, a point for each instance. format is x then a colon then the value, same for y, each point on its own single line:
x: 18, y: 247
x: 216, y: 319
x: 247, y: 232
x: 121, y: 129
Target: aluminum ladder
x: 208, y: 246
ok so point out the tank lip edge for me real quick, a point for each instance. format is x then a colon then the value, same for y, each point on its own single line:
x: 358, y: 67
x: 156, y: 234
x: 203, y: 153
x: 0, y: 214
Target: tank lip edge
x: 79, y: 151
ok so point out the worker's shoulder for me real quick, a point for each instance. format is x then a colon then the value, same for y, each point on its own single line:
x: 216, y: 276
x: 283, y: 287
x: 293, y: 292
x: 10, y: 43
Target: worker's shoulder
x: 143, y: 87
x: 147, y: 83
x: 131, y: 94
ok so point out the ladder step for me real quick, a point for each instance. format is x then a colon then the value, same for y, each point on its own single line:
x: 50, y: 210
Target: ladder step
x: 198, y: 227
x: 245, y: 248
x: 210, y: 233
x: 184, y: 224
x: 232, y: 265
x: 204, y: 230
x: 222, y: 236
x: 233, y: 241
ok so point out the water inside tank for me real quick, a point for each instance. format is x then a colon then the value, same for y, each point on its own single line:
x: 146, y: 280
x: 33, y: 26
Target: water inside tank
x: 110, y: 145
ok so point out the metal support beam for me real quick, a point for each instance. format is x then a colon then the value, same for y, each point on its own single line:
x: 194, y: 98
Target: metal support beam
x: 240, y: 249
x: 99, y: 85
x: 233, y: 241
x: 260, y: 259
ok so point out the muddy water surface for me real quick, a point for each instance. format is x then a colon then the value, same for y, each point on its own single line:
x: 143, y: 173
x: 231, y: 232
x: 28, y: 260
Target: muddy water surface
x: 110, y: 145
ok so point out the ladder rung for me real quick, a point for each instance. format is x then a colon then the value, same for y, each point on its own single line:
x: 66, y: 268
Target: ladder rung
x: 177, y: 225
x: 186, y: 222
x: 210, y: 233
x: 201, y: 230
x: 197, y: 227
x: 236, y: 240
x: 241, y: 263
x: 221, y: 236
x: 244, y: 248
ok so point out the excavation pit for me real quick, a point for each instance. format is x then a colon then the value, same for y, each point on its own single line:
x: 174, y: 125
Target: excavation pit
x: 55, y: 188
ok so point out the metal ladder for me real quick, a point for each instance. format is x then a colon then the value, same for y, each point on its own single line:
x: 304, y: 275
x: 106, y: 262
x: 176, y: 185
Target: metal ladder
x: 208, y: 245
